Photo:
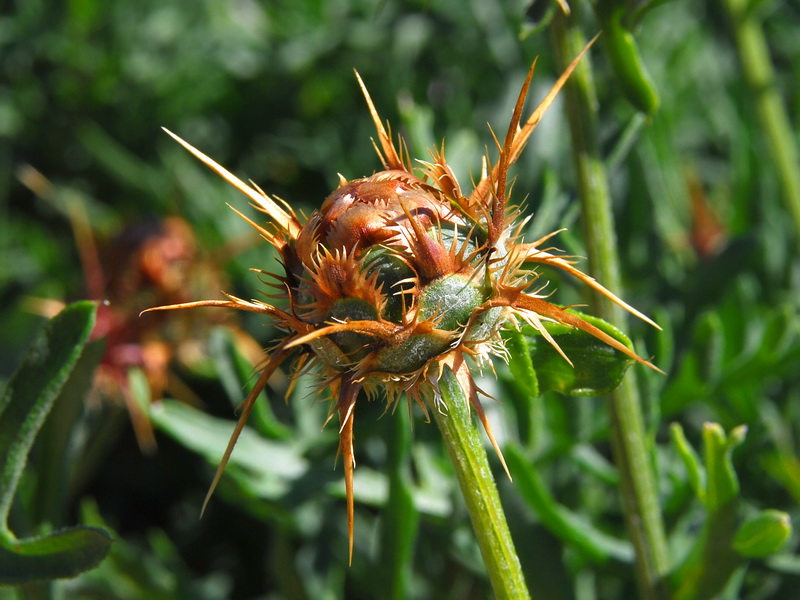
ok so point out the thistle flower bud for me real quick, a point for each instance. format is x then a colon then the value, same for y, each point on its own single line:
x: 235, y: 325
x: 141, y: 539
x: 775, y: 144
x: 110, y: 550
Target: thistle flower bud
x: 399, y: 275
x: 396, y: 270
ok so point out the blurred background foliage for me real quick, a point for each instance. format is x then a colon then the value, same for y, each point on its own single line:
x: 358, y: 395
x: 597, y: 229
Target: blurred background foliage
x: 707, y: 244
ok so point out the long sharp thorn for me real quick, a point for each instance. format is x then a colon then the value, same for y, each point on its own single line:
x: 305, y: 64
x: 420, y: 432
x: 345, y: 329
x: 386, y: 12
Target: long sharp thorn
x: 499, y: 200
x: 248, y: 404
x: 348, y: 393
x: 286, y: 221
x: 390, y: 158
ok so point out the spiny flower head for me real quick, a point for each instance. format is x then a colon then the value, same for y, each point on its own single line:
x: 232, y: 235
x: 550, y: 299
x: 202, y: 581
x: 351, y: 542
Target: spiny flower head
x: 401, y: 274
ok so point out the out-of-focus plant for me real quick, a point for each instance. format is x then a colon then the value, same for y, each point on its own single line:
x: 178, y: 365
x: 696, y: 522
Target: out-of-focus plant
x: 153, y: 260
x: 725, y: 542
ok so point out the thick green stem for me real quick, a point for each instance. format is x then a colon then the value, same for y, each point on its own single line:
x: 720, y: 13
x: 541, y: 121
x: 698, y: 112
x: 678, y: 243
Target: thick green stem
x: 642, y: 510
x: 760, y: 78
x: 468, y: 455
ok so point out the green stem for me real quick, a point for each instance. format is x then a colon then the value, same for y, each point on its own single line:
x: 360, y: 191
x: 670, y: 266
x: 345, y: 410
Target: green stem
x: 760, y: 78
x: 401, y: 519
x: 639, y: 492
x: 468, y: 455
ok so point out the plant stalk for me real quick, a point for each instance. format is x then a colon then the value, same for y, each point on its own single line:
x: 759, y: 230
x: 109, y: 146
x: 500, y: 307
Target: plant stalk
x: 760, y: 79
x: 468, y: 456
x: 639, y: 492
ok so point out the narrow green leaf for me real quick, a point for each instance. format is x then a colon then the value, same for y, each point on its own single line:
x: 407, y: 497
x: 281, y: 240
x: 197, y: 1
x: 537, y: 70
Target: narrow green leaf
x: 559, y: 520
x: 263, y: 466
x: 139, y: 389
x: 25, y: 403
x: 59, y: 555
x: 713, y: 558
x: 220, y: 348
x: 709, y: 344
x: 32, y: 390
x: 238, y: 375
x: 524, y: 383
x: 690, y: 460
x: 590, y: 460
x: 520, y: 363
x: 54, y: 458
x: 537, y: 18
x: 626, y: 61
x: 722, y: 485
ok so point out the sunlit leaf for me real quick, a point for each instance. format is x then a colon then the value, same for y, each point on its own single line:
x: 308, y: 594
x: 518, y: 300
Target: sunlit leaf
x: 25, y: 403
x: 598, y: 368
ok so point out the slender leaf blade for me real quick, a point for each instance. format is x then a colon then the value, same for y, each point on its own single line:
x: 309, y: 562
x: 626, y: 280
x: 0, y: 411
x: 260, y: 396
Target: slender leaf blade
x: 59, y: 555
x: 32, y: 390
x: 24, y: 405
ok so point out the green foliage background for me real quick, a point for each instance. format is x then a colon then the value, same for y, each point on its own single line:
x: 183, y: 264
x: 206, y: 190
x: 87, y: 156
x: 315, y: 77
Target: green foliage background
x: 267, y: 89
